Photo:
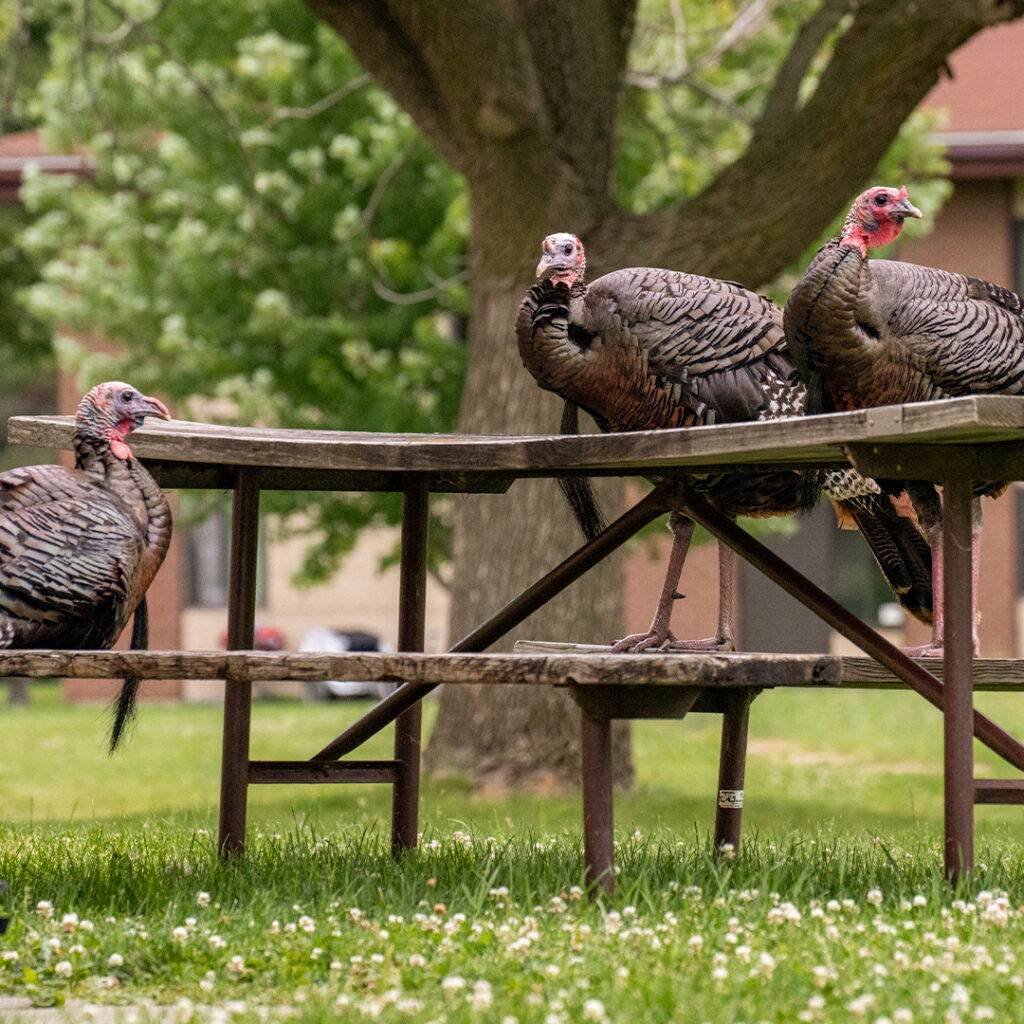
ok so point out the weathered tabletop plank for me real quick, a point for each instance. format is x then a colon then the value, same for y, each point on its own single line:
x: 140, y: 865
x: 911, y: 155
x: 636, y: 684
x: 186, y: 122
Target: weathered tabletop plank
x: 813, y: 440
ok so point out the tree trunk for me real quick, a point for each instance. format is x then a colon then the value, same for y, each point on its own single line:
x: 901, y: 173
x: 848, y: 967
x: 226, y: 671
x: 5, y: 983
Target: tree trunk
x: 527, y: 737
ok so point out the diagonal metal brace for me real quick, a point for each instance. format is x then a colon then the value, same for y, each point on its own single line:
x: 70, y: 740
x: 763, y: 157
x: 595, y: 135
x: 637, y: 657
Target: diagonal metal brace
x: 645, y: 511
x: 827, y: 608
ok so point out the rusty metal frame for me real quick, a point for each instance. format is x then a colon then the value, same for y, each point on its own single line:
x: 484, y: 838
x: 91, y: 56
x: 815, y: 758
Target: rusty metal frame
x: 961, y: 721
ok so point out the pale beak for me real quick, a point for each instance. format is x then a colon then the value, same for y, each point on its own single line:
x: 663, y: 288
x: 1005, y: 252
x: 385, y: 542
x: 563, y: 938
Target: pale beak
x: 150, y: 407
x: 905, y: 208
x: 548, y: 262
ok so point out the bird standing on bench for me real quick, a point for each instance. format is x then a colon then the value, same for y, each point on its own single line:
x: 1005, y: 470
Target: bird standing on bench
x: 648, y: 349
x: 79, y: 547
x: 880, y: 332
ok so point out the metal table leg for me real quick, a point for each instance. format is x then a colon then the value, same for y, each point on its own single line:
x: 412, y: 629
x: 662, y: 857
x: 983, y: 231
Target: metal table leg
x: 234, y: 772
x: 412, y: 597
x: 732, y: 767
x: 958, y: 646
x: 598, y: 814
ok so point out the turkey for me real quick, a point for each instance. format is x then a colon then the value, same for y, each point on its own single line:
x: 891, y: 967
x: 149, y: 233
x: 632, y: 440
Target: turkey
x: 79, y: 547
x: 879, y: 332
x: 644, y: 349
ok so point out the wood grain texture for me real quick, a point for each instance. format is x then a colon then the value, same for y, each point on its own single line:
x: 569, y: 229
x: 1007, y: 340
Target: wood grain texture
x: 535, y: 663
x: 811, y: 440
x: 558, y: 669
x: 855, y: 673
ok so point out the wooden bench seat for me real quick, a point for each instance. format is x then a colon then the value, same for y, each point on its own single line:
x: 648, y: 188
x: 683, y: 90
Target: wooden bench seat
x: 533, y: 663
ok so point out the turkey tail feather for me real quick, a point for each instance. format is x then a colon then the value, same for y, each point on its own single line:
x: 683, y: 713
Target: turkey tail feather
x: 578, y: 490
x: 900, y: 550
x: 124, y: 707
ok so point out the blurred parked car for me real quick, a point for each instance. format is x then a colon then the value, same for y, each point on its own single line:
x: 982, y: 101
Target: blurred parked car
x: 325, y: 640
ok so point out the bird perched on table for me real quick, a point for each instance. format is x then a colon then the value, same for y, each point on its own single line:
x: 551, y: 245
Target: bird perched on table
x: 880, y: 332
x: 647, y: 349
x: 79, y: 547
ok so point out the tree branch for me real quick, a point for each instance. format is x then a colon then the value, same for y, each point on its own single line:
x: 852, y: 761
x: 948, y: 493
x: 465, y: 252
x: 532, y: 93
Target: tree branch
x: 322, y: 104
x: 796, y: 174
x: 785, y: 93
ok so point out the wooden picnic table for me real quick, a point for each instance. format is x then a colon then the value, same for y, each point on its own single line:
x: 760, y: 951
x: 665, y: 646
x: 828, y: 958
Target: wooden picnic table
x: 952, y: 442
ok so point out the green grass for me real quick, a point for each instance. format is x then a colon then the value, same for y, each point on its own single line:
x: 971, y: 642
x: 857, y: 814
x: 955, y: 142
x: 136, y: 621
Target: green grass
x: 835, y: 909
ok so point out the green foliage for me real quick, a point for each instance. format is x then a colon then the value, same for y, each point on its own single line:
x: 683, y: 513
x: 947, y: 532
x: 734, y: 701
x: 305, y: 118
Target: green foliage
x: 266, y: 237
x: 699, y: 76
x: 25, y: 342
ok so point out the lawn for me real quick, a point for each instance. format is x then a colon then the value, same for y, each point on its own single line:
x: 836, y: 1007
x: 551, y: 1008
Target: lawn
x: 834, y: 910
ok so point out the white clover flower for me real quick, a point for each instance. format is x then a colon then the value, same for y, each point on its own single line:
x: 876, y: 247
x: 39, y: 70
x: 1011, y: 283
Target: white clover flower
x: 903, y: 1015
x: 115, y: 960
x: 453, y: 983
x: 719, y: 973
x: 874, y: 896
x: 307, y: 924
x: 63, y: 968
x: 202, y: 899
x: 179, y: 935
x: 236, y: 965
x: 77, y: 949
x: 216, y: 942
x: 482, y: 995
x: 960, y: 996
x: 860, y: 1006
x: 593, y: 1009
x: 920, y: 901
x: 417, y: 960
x: 69, y: 922
x: 44, y: 908
x: 10, y: 955
x: 206, y: 983
x: 54, y: 944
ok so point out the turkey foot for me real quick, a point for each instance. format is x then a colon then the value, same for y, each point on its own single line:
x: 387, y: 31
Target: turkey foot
x: 656, y: 640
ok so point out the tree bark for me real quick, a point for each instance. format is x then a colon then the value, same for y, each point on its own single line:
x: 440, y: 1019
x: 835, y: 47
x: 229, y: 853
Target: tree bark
x: 522, y: 98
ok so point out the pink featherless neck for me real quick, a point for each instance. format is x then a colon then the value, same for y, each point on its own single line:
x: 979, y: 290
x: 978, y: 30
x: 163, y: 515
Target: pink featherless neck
x: 117, y: 436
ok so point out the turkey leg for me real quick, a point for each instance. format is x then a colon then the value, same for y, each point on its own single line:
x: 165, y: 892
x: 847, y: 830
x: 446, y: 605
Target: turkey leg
x: 660, y: 635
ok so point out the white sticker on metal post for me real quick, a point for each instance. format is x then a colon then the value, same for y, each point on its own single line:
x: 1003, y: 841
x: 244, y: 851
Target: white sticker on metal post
x: 730, y: 798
